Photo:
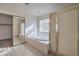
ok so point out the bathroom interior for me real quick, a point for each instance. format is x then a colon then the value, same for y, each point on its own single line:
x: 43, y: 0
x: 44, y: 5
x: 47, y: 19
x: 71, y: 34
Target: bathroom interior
x: 39, y: 29
x: 35, y: 32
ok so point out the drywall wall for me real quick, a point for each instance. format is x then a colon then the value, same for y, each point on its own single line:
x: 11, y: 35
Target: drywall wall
x: 5, y: 30
x: 8, y: 9
x: 68, y: 33
x: 22, y: 29
x: 31, y: 24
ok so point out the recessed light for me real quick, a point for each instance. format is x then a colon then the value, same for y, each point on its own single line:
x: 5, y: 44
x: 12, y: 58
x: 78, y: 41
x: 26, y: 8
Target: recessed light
x: 26, y: 3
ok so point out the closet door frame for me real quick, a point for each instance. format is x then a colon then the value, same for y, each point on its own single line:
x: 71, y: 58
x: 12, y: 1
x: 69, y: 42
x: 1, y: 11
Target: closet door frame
x: 14, y: 18
x: 56, y: 33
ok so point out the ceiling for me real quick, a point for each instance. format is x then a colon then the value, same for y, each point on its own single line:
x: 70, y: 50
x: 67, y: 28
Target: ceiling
x: 35, y: 9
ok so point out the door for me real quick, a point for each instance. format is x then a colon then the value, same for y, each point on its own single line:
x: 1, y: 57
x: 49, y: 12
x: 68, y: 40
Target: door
x: 68, y: 32
x: 18, y: 30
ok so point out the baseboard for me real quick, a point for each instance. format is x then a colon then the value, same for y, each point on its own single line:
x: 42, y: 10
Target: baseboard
x: 60, y: 54
x: 6, y: 39
x: 56, y: 53
x: 52, y: 53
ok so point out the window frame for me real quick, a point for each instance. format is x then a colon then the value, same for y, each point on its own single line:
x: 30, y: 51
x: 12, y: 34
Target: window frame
x: 44, y: 20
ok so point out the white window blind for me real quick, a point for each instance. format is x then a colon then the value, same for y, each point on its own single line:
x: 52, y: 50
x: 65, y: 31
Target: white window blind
x: 44, y: 25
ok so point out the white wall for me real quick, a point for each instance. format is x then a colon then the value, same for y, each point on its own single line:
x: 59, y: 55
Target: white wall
x: 22, y: 28
x: 31, y: 21
x: 12, y: 9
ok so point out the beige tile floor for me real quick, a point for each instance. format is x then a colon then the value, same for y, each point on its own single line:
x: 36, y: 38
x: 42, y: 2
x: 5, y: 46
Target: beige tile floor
x: 18, y: 50
x: 17, y: 41
x: 26, y: 50
x: 22, y: 50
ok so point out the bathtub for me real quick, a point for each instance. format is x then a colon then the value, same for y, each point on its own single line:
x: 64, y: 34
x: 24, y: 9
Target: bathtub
x: 40, y: 42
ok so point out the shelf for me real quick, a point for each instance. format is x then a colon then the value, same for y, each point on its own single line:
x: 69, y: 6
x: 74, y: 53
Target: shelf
x: 6, y: 24
x: 6, y: 39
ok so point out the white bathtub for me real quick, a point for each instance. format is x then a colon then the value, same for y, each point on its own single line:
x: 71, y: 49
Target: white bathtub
x: 40, y: 42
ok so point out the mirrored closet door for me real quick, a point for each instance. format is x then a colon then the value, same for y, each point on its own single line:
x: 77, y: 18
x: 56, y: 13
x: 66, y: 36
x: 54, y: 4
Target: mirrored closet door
x: 18, y: 30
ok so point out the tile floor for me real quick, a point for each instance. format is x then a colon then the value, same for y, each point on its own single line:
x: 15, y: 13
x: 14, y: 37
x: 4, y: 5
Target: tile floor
x: 18, y: 50
x: 21, y: 50
x: 17, y: 41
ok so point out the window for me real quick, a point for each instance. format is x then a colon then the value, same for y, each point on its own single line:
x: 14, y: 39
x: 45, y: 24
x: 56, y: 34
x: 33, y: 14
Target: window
x: 44, y: 25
